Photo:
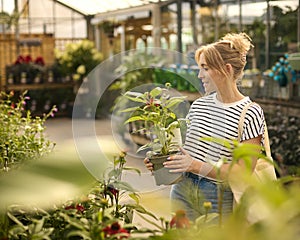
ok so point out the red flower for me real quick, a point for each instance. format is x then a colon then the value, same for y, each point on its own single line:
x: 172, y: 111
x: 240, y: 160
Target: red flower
x: 114, y: 229
x: 28, y: 59
x: 80, y: 208
x: 113, y: 190
x: 150, y: 102
x: 39, y: 61
x: 69, y: 207
x: 20, y: 60
x: 180, y: 220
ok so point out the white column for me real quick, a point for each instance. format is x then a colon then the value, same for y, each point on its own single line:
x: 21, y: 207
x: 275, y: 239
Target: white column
x: 156, y: 23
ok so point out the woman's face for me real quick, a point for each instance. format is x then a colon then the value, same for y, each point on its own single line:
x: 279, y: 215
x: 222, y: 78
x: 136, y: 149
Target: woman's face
x: 207, y: 76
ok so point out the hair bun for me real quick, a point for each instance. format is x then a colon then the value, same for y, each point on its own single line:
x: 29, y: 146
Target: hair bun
x: 239, y: 41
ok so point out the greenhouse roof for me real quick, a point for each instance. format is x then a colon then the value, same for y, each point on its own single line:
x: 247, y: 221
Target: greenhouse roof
x: 103, y: 8
x: 91, y: 7
x: 58, y: 15
x: 106, y: 7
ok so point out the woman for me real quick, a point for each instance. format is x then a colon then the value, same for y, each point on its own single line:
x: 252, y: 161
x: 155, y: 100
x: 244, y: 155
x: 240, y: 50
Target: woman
x: 215, y: 115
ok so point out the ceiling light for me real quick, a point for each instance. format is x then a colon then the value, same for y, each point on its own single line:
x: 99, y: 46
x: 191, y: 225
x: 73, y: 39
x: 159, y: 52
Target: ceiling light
x: 147, y: 27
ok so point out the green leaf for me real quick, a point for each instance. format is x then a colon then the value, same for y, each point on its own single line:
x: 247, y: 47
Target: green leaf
x: 141, y: 215
x: 135, y: 118
x: 132, y: 109
x: 136, y: 99
x: 134, y: 197
x: 132, y: 169
x: 172, y: 115
x: 206, y: 218
x: 155, y: 92
x: 13, y: 218
x: 220, y: 141
x: 83, y: 234
x: 174, y: 101
x: 72, y: 221
x: 124, y: 186
x: 39, y: 224
x: 114, y: 173
x: 17, y: 230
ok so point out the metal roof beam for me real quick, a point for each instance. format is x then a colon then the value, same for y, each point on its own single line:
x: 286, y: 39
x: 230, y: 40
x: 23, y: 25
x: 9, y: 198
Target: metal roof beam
x: 69, y: 7
x: 126, y: 11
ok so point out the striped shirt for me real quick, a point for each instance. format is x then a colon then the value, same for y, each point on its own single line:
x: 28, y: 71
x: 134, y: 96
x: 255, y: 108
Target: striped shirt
x: 208, y: 117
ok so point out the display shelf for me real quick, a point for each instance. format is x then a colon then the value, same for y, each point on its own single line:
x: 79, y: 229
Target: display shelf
x: 37, y: 86
x: 45, y: 95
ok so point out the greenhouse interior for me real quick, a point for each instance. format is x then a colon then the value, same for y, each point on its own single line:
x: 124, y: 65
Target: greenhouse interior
x: 93, y: 91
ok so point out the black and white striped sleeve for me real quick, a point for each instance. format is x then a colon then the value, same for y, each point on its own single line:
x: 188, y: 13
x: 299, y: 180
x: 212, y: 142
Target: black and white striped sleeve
x: 254, y: 123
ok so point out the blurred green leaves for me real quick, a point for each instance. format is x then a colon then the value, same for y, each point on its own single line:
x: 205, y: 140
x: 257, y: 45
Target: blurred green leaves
x: 55, y: 178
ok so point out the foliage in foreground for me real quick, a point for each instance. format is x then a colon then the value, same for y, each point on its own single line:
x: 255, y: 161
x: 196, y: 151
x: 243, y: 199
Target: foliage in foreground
x: 107, y: 210
x: 104, y: 213
x: 22, y: 136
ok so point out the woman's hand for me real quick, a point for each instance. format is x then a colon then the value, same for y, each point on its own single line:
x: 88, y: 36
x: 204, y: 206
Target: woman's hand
x: 148, y: 164
x: 180, y: 162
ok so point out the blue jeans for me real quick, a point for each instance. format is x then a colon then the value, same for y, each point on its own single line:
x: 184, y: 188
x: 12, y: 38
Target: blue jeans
x: 190, y: 194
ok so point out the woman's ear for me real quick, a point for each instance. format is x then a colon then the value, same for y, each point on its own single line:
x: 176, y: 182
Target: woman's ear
x: 229, y: 68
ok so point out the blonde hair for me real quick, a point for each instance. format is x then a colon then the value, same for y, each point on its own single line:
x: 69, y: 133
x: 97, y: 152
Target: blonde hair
x: 231, y: 49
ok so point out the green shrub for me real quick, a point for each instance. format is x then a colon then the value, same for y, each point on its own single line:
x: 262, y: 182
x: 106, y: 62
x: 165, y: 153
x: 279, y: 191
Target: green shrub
x: 284, y: 132
x: 22, y: 136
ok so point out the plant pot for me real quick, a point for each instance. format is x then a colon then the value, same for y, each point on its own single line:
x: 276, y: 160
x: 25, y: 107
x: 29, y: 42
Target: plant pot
x: 294, y: 61
x: 161, y: 174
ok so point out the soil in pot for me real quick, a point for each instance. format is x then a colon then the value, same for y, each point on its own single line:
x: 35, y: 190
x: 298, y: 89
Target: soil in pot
x: 161, y: 174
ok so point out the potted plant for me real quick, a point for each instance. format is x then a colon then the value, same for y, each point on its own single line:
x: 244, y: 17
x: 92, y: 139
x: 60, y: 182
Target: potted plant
x: 156, y: 119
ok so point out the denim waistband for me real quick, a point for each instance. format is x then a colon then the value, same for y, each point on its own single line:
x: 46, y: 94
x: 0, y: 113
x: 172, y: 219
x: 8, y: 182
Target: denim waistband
x: 192, y: 175
x: 199, y: 177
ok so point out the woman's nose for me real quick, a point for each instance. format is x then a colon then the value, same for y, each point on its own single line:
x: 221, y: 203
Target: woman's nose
x: 199, y: 74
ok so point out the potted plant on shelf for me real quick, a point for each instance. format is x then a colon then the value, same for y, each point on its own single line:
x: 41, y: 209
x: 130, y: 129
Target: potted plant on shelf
x: 156, y: 121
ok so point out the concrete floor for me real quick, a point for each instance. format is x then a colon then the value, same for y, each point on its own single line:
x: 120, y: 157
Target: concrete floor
x: 154, y: 198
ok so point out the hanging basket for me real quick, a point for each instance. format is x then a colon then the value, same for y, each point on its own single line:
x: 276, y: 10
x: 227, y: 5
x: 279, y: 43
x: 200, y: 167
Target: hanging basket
x: 109, y: 28
x: 294, y: 60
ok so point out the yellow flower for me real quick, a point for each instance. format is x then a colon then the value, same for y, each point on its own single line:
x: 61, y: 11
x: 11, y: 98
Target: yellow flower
x: 57, y: 53
x: 98, y: 56
x: 66, y: 58
x: 104, y: 201
x: 76, y: 77
x: 72, y: 47
x: 122, y: 154
x: 207, y: 205
x: 81, y: 70
x: 94, y: 51
x: 87, y: 44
